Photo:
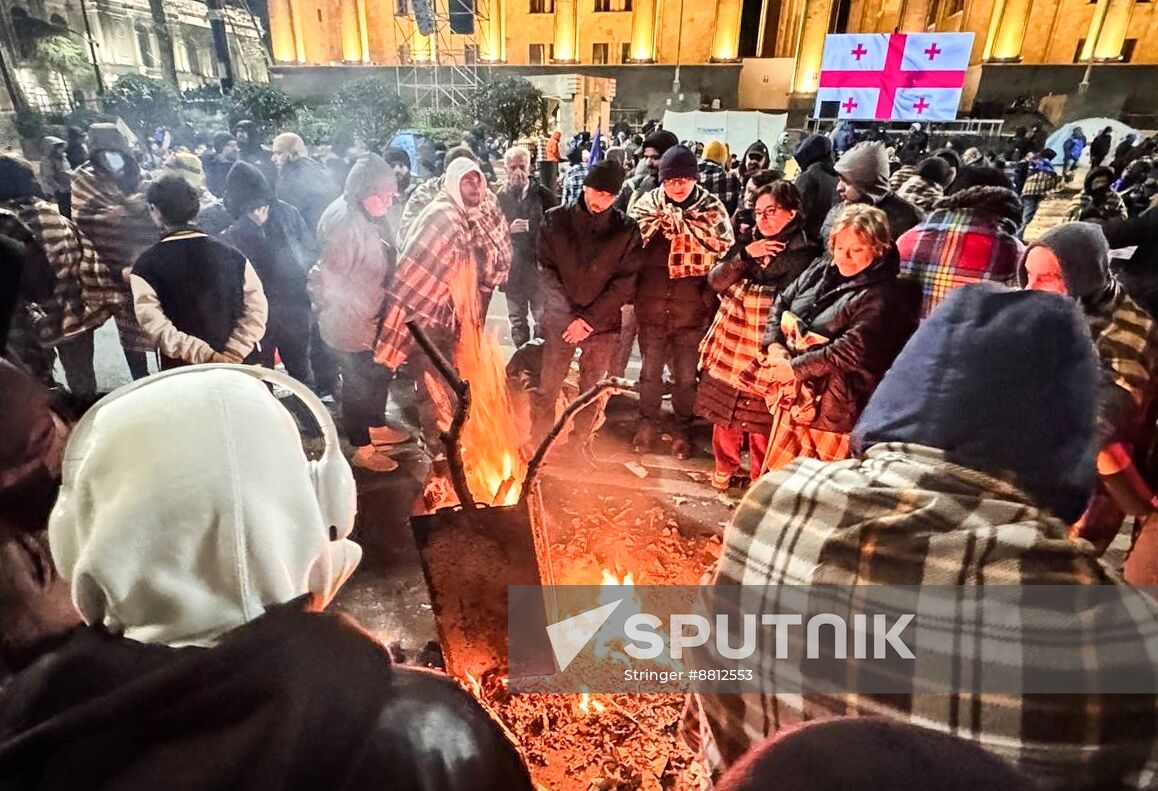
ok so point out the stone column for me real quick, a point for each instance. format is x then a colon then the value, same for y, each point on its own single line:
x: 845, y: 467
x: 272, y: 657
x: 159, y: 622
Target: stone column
x: 351, y: 34
x: 1095, y: 29
x: 281, y: 33
x: 914, y: 16
x: 363, y: 32
x: 566, y: 32
x: 726, y: 44
x: 492, y: 41
x: 810, y: 46
x: 422, y: 48
x: 1008, y: 30
x: 1113, y: 32
x: 644, y: 22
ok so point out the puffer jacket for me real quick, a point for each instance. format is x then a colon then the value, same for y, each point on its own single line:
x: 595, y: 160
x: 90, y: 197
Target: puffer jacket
x: 1139, y: 273
x: 588, y: 265
x: 348, y: 286
x: 866, y: 318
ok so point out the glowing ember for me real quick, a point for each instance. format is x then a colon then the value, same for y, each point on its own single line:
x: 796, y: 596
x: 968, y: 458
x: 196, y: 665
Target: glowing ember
x: 490, y: 440
x: 589, y: 705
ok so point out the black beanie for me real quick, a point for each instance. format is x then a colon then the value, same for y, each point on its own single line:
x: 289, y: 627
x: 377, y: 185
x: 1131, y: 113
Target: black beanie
x: 678, y: 162
x: 661, y: 141
x: 605, y: 176
x: 246, y: 189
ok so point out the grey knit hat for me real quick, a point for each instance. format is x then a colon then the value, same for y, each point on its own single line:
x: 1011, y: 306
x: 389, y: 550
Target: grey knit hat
x: 1083, y: 252
x: 866, y: 165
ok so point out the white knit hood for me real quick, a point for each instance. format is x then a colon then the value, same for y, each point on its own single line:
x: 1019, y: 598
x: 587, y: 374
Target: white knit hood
x: 455, y: 172
x: 189, y: 509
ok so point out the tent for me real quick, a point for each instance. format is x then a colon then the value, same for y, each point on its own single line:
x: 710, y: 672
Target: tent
x: 1091, y: 127
x: 739, y: 129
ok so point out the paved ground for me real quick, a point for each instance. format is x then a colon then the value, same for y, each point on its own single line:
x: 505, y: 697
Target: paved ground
x: 388, y: 594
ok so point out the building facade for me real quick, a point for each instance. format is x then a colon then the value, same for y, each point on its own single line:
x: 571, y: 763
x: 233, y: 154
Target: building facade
x: 515, y: 32
x: 125, y: 36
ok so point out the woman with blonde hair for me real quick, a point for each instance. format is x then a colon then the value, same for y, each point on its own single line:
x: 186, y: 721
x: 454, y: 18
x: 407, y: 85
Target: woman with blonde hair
x: 832, y: 334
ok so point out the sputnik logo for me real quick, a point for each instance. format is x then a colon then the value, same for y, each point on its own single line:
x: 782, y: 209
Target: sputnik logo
x: 570, y: 635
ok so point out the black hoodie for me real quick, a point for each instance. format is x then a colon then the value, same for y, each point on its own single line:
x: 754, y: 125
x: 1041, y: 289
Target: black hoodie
x: 817, y: 182
x: 292, y: 700
x: 1003, y: 382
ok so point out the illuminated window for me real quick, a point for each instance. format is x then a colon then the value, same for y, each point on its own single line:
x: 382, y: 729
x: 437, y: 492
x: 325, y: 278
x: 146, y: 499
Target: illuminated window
x: 542, y: 6
x: 599, y: 53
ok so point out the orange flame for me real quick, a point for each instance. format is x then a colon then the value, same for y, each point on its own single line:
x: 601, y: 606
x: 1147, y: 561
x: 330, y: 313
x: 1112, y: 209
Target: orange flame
x: 490, y: 439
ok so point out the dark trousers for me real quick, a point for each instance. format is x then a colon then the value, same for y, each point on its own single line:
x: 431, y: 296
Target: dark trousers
x: 76, y: 357
x: 323, y: 362
x: 595, y: 356
x: 138, y: 363
x: 365, y: 385
x: 627, y: 332
x: 523, y: 300
x: 64, y: 203
x: 1029, y: 206
x: 289, y: 336
x: 727, y: 445
x: 679, y: 351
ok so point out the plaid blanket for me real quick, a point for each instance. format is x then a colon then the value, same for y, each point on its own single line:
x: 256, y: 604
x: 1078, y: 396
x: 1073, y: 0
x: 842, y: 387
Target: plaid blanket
x: 572, y: 185
x: 904, y: 515
x: 1041, y: 182
x: 921, y: 193
x: 120, y: 228
x: 724, y: 184
x: 1126, y: 338
x: 489, y: 219
x: 442, y: 241
x: 902, y: 174
x: 85, y: 290
x: 968, y: 238
x: 732, y: 343
x: 1084, y: 207
x: 699, y: 234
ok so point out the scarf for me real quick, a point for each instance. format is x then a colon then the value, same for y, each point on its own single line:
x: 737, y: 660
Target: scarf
x: 699, y: 233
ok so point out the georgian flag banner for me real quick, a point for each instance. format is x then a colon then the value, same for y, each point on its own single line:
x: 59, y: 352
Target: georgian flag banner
x: 897, y: 77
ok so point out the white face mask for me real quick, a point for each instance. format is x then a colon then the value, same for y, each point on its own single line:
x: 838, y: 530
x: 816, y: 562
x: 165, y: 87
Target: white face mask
x: 115, y: 160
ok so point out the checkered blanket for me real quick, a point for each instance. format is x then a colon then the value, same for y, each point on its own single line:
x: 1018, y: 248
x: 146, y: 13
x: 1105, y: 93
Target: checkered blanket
x: 120, y: 228
x: 903, y: 515
x: 968, y: 238
x: 724, y: 184
x: 699, y: 233
x: 1126, y: 338
x: 86, y: 289
x: 441, y: 242
x: 732, y: 343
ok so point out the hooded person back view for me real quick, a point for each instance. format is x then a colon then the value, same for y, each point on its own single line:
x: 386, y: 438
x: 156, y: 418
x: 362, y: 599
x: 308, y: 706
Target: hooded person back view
x: 816, y: 182
x: 956, y: 487
x: 216, y: 587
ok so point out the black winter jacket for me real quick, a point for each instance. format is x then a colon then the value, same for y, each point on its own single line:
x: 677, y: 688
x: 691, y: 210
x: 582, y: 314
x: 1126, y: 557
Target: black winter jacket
x: 1139, y: 274
x: 867, y: 319
x: 281, y: 251
x: 902, y: 215
x: 816, y: 182
x: 776, y: 272
x: 589, y: 265
x: 531, y: 207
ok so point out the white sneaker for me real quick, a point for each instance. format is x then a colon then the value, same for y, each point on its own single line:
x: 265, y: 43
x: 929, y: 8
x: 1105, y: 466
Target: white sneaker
x: 388, y: 435
x: 368, y: 458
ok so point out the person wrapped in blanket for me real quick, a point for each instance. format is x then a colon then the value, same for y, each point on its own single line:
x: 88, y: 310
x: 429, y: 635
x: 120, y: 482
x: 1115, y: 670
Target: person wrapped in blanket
x: 451, y: 259
x: 832, y: 334
x: 766, y: 258
x: 685, y: 231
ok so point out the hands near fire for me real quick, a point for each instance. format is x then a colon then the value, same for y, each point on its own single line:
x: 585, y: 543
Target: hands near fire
x: 577, y: 331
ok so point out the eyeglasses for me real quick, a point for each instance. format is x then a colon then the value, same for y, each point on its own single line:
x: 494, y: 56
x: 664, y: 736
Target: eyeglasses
x: 680, y: 182
x: 770, y: 212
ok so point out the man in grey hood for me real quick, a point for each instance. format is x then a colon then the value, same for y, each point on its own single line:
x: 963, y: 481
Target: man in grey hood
x: 864, y: 178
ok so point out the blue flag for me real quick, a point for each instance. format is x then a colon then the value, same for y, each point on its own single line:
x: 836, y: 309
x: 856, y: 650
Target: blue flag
x: 596, y: 148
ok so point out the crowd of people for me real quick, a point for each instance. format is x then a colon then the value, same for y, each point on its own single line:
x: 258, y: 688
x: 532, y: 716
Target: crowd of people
x: 914, y: 394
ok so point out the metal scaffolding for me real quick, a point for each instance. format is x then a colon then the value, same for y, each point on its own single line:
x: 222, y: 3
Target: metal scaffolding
x: 453, y: 72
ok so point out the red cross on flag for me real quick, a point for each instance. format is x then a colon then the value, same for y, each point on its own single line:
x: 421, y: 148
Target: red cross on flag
x: 897, y: 77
